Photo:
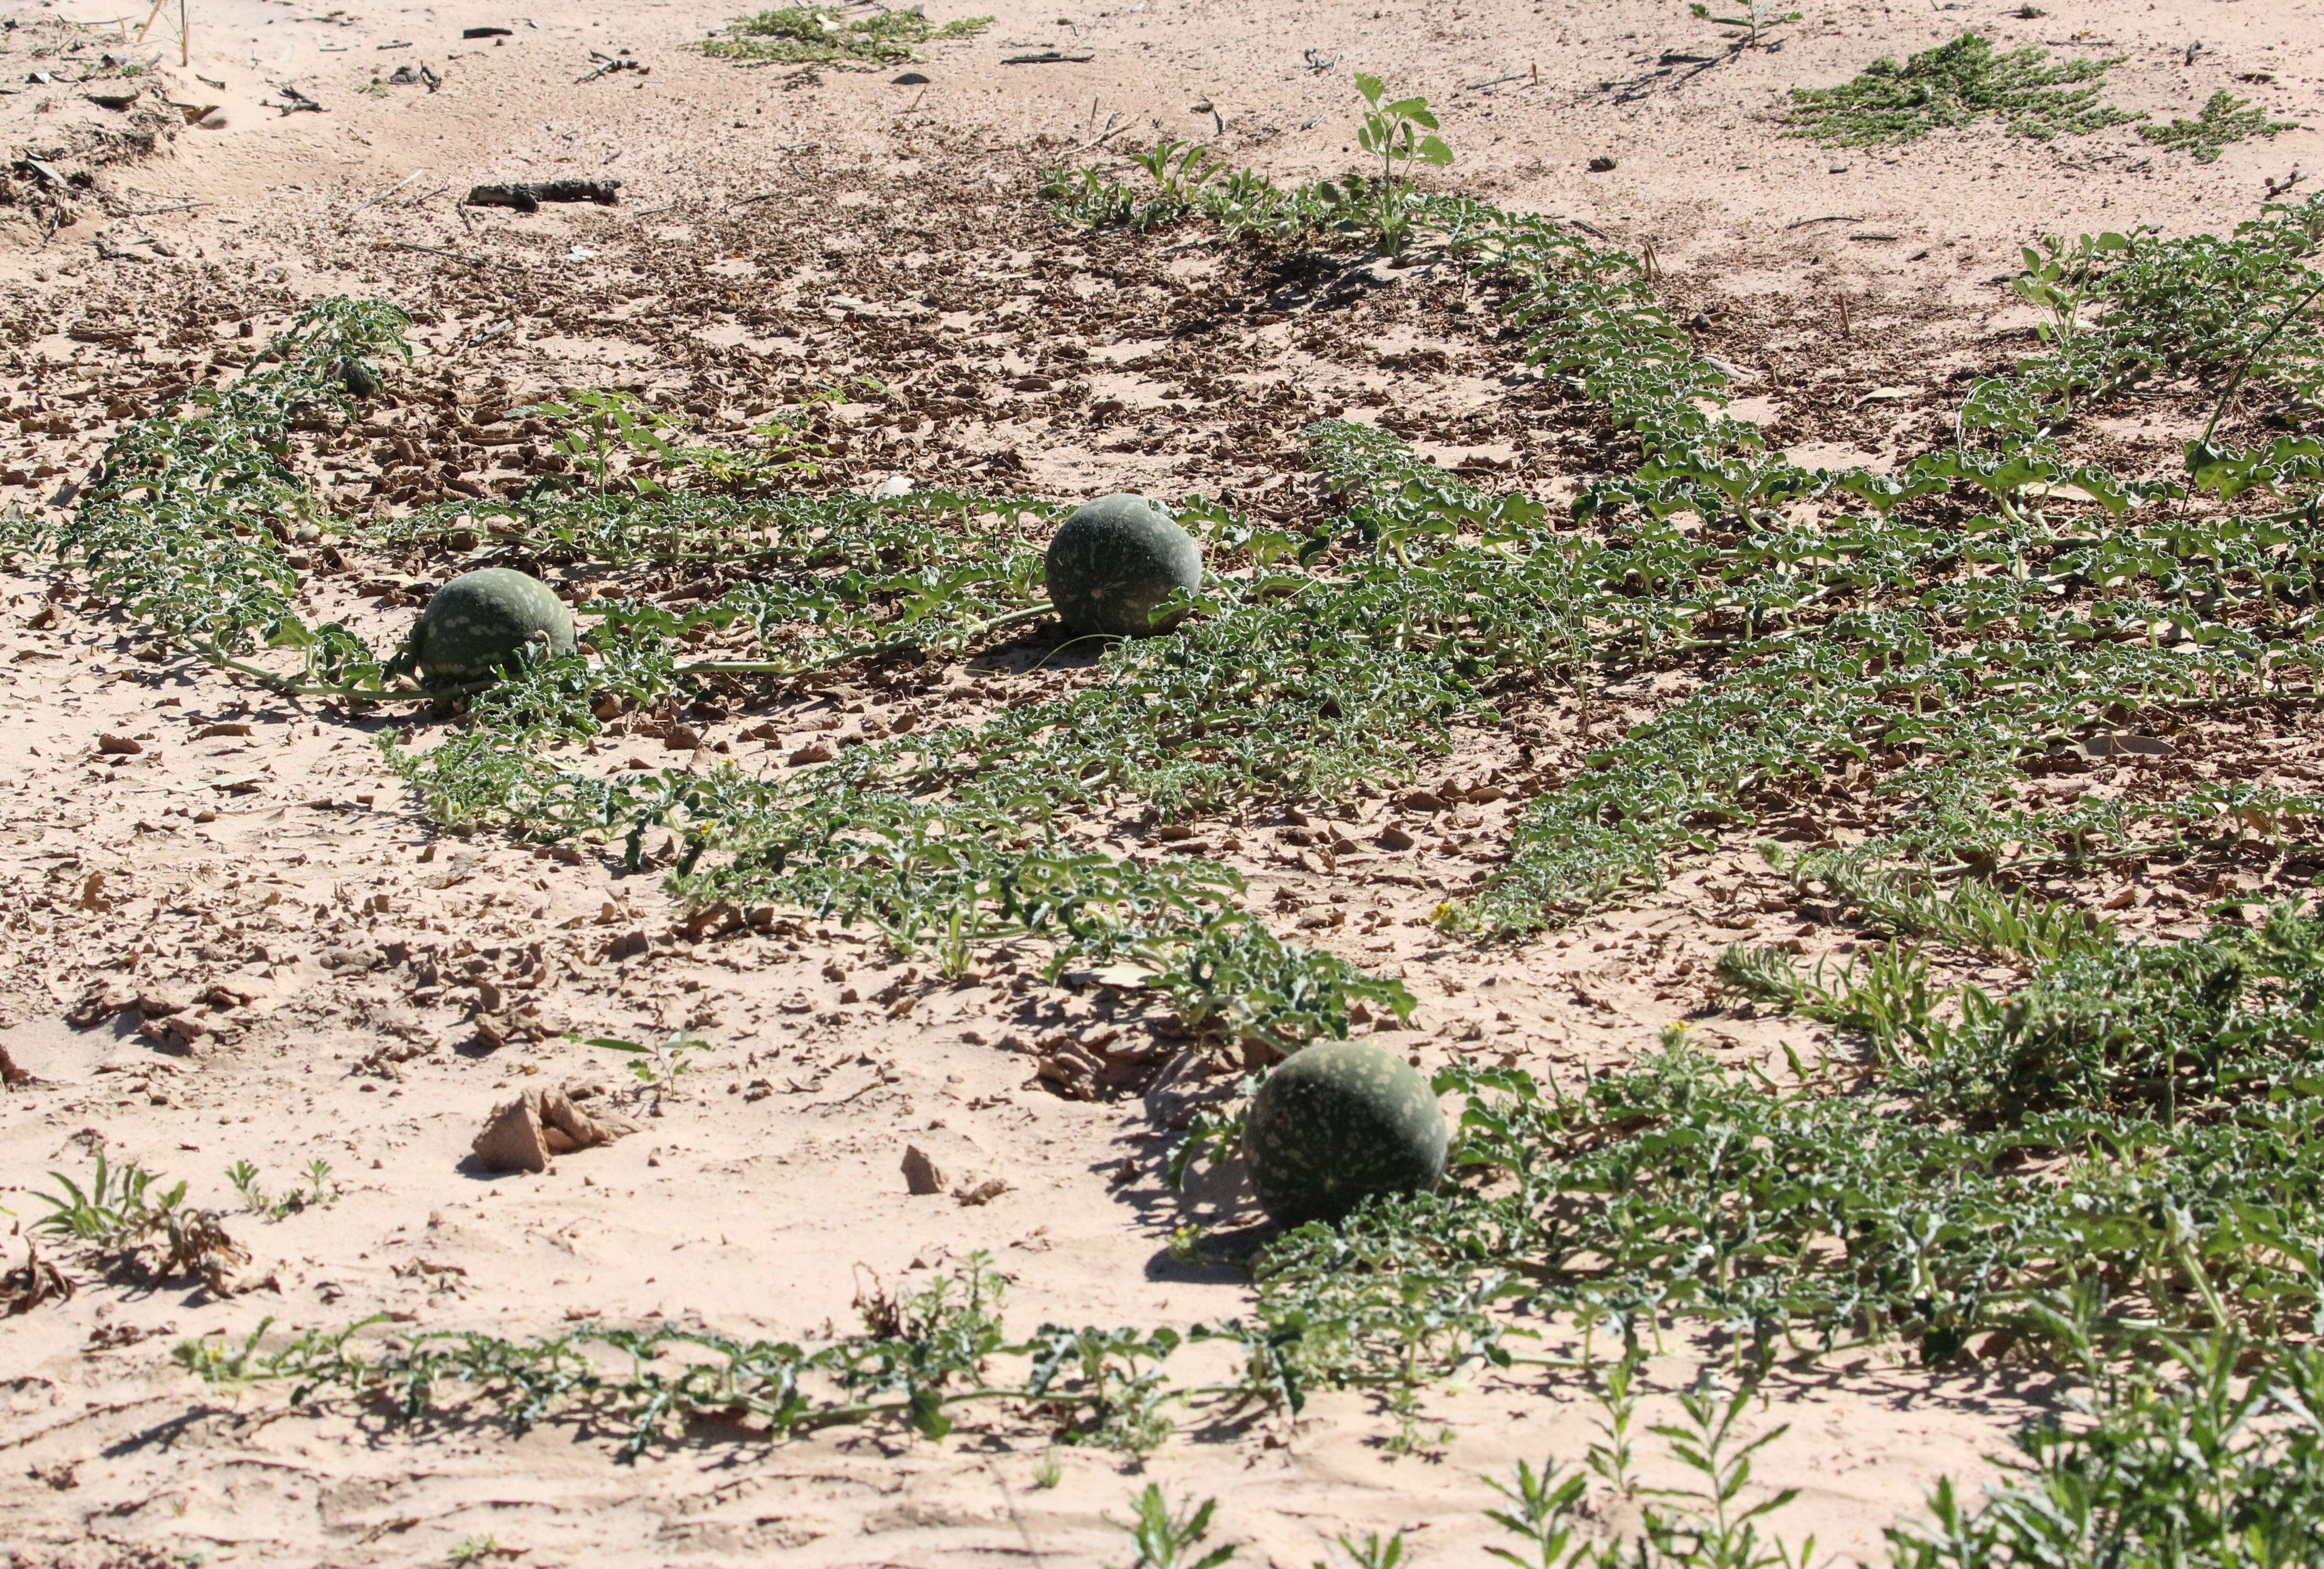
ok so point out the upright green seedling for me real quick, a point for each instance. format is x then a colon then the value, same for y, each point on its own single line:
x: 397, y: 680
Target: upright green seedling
x: 1179, y: 170
x: 1370, y: 1551
x: 1168, y: 1538
x: 1756, y: 19
x: 319, y: 1190
x: 2060, y: 279
x: 657, y: 1067
x: 594, y: 427
x: 1401, y: 133
x: 1544, y: 1514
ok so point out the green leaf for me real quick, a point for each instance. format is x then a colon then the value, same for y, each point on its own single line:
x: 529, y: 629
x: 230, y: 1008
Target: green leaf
x: 928, y: 1418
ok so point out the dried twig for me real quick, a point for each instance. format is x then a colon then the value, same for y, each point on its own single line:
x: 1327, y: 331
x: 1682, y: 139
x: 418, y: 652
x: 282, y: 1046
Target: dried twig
x: 448, y: 255
x: 392, y: 189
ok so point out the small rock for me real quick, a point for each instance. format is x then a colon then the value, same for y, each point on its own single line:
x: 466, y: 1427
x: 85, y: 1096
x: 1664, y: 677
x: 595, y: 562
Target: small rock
x: 1392, y: 837
x: 111, y: 745
x: 813, y: 752
x: 212, y: 732
x: 921, y: 1176
x: 681, y: 738
x: 1601, y: 165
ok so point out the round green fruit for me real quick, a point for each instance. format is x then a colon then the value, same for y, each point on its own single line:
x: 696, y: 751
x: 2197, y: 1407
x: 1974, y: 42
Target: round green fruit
x: 1113, y: 560
x: 358, y: 376
x: 482, y: 622
x: 1336, y: 1123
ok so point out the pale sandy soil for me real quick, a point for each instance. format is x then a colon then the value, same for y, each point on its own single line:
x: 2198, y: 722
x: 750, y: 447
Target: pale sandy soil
x: 271, y: 882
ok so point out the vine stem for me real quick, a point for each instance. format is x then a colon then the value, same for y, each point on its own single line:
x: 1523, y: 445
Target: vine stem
x: 2244, y: 369
x: 837, y: 1416
x: 214, y: 655
x: 210, y: 654
x: 873, y: 651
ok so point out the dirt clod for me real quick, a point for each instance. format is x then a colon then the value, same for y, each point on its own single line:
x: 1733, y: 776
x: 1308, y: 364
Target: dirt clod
x: 513, y: 1139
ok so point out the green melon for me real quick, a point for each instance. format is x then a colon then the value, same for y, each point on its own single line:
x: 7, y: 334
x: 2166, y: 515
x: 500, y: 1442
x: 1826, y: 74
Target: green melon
x: 359, y: 377
x: 1113, y: 560
x: 1336, y: 1123
x: 481, y: 622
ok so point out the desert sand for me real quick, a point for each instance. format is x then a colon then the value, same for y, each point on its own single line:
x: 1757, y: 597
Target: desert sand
x: 230, y: 937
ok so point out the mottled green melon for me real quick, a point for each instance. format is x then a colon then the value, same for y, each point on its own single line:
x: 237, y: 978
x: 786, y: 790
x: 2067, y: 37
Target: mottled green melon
x: 1113, y: 560
x: 1336, y: 1123
x: 481, y: 622
x: 358, y: 376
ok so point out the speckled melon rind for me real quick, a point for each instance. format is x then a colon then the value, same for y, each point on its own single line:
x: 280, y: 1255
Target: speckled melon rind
x: 481, y: 621
x: 1338, y: 1122
x: 1113, y: 560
